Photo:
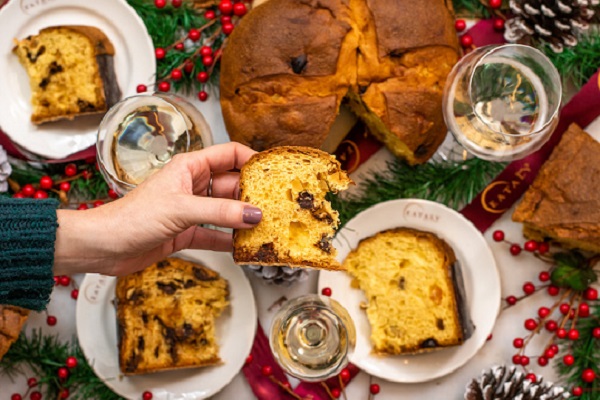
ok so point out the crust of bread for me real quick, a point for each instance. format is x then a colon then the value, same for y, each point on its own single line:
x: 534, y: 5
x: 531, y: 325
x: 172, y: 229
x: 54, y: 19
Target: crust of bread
x: 12, y: 320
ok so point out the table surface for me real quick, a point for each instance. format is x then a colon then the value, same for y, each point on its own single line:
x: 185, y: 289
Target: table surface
x: 514, y: 271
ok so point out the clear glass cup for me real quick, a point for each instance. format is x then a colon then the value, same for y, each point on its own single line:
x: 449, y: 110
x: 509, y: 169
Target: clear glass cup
x: 312, y: 337
x: 501, y: 103
x: 141, y: 134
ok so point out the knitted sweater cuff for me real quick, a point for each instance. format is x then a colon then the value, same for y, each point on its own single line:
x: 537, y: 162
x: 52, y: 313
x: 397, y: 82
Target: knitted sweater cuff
x: 27, y: 236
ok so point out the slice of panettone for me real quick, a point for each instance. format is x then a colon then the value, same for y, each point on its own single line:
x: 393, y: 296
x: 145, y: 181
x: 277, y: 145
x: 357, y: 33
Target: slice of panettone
x: 289, y: 184
x: 166, y: 316
x: 12, y: 320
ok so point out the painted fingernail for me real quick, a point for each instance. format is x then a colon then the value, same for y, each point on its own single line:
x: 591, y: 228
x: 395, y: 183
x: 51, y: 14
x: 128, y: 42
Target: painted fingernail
x: 251, y: 215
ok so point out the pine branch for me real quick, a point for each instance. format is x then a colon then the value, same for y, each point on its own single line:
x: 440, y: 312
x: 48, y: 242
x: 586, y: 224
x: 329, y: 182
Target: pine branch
x: 470, y: 9
x: 453, y: 184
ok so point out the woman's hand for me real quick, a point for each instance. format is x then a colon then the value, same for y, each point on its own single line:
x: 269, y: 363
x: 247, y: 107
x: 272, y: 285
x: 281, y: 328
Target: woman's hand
x: 160, y: 216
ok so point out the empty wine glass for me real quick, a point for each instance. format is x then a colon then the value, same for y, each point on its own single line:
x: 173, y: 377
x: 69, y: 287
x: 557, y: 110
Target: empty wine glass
x: 312, y: 337
x: 501, y: 103
x: 141, y: 134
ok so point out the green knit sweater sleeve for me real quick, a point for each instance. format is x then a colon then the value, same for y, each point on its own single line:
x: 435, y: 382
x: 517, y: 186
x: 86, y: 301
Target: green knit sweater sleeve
x: 27, y: 235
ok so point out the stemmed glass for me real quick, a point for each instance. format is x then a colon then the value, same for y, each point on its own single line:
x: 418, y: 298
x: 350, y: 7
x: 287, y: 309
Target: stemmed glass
x: 312, y: 337
x: 501, y: 103
x: 141, y: 134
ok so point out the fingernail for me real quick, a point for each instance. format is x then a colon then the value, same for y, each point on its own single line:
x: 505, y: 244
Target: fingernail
x: 251, y: 215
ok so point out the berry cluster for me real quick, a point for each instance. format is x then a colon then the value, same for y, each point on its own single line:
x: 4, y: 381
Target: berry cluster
x: 466, y: 40
x: 62, y: 373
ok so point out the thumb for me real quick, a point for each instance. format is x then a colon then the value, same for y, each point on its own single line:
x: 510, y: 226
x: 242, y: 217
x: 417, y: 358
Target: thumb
x: 226, y: 213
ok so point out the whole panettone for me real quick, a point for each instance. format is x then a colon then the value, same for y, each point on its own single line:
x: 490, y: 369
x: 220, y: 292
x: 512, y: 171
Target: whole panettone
x: 290, y: 64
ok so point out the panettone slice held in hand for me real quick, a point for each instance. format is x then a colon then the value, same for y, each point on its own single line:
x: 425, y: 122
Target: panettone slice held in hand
x: 289, y: 185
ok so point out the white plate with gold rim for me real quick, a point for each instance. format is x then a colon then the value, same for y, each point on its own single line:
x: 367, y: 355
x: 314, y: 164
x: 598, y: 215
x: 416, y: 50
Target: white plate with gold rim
x: 481, y: 282
x: 134, y: 63
x: 236, y: 327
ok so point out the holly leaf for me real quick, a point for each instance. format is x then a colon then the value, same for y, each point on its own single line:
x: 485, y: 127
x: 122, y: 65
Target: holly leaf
x: 573, y: 259
x: 572, y: 271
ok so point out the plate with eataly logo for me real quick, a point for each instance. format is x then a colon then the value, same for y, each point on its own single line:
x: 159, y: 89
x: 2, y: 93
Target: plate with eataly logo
x: 404, y: 300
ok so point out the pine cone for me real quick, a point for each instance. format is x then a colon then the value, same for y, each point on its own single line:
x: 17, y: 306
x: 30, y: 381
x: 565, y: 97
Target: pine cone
x: 506, y: 383
x: 279, y: 275
x: 5, y: 170
x: 557, y: 23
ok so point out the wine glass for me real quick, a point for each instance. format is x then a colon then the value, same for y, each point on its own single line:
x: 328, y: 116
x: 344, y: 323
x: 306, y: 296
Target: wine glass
x: 501, y: 102
x: 141, y: 134
x: 312, y: 337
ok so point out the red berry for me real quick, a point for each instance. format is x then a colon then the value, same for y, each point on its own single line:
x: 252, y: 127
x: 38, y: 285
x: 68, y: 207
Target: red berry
x: 51, y: 320
x: 511, y: 300
x: 239, y: 9
x: 16, y: 396
x: 164, y: 86
x: 18, y: 195
x: 160, y: 53
x: 71, y: 362
x: 86, y: 174
x: 64, y: 280
x: 528, y: 288
x: 64, y: 186
x: 499, y: 24
x: 228, y: 28
x: 194, y: 34
x: 83, y: 206
x: 588, y: 375
x: 205, y: 51
x: 287, y: 385
x: 40, y: 194
x: 267, y: 370
x: 524, y: 360
x: 516, y: 359
x: 584, y: 310
x: 226, y: 7
x: 596, y: 332
x: 544, y: 276
x: 489, y: 337
x: 112, y: 194
x: 28, y: 190
x: 542, y: 361
x: 74, y: 294
x: 64, y: 393
x: 176, y: 3
x: 225, y: 19
x: 495, y: 3
x: 46, y: 182
x: 202, y: 76
x: 176, y: 74
x: 543, y: 248
x: 515, y: 249
x: 31, y: 382
x: 345, y: 375
x: 139, y: 89
x: 530, y: 324
x: 374, y: 388
x: 98, y: 203
x: 249, y: 359
x: 56, y: 280
x: 210, y: 14
x: 543, y: 312
x: 147, y: 395
x: 466, y: 40
x: 549, y: 353
x: 35, y: 395
x: 62, y: 373
x: 207, y: 60
x: 518, y: 343
x: 498, y: 235
x: 188, y: 67
x: 202, y: 95
x: 561, y: 333
x: 553, y: 290
x: 531, y: 377
x: 573, y: 334
x: 577, y: 391
x: 326, y: 291
x: 160, y: 3
x: 179, y: 46
x: 530, y: 245
x: 336, y: 393
x: 564, y: 308
x: 568, y: 360
x: 590, y: 294
x: 551, y: 325
x: 460, y: 25
x: 554, y: 348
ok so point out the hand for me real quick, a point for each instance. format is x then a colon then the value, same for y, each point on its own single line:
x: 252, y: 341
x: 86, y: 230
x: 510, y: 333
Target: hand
x: 159, y: 217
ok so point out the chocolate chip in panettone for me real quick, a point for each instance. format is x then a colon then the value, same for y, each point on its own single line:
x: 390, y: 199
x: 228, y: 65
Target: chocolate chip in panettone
x: 167, y: 288
x: 299, y: 63
x: 55, y: 68
x: 162, y: 264
x: 141, y: 343
x: 85, y: 106
x: 440, y: 324
x: 429, y: 343
x: 44, y: 82
x: 266, y: 253
x: 397, y: 53
x: 402, y: 283
x: 325, y: 243
x: 202, y: 275
x: 306, y: 200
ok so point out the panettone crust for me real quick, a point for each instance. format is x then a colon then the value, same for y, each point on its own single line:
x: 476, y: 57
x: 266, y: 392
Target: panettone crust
x: 12, y: 320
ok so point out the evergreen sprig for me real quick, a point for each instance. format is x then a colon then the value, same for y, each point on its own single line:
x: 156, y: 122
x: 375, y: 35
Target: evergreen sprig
x: 586, y: 351
x: 44, y: 354
x: 453, y: 184
x: 471, y: 9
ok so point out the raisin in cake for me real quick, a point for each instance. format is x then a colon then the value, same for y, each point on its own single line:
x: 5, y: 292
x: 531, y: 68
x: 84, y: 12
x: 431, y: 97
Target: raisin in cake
x: 166, y: 317
x: 413, y: 291
x: 70, y: 72
x: 11, y: 322
x: 289, y: 185
x: 563, y: 202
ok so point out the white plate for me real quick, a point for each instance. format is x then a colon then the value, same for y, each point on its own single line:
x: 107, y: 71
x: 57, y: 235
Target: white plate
x: 236, y: 327
x: 134, y: 64
x: 481, y: 278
